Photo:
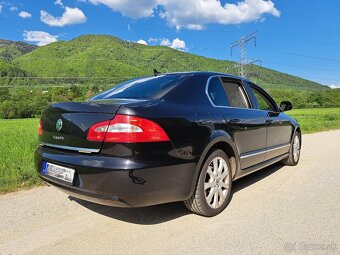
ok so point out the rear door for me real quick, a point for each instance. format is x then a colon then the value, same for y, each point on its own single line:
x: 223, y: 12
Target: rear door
x: 247, y: 127
x: 279, y: 128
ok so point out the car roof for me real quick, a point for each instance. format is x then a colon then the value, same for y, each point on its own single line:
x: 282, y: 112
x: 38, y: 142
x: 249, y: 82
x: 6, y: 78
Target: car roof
x: 208, y: 73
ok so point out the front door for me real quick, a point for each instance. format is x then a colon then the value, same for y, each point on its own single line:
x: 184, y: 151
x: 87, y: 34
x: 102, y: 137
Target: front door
x: 279, y: 128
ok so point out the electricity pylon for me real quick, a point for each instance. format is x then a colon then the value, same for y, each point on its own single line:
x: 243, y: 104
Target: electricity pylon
x: 242, y: 43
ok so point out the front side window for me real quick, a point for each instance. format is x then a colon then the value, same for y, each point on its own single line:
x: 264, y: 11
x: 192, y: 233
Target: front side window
x: 263, y: 102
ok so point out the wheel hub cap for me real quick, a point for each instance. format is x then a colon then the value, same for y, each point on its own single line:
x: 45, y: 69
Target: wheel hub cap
x: 296, y: 148
x: 216, y: 185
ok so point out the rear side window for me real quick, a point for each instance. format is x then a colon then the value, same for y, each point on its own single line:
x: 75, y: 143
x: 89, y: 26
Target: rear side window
x: 235, y: 93
x: 143, y: 88
x: 227, y: 93
x: 216, y: 92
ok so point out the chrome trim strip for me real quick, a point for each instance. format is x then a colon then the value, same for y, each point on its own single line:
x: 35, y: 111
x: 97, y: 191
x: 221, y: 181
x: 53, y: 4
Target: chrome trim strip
x: 83, y: 150
x: 251, y: 169
x: 247, y: 155
x: 251, y: 154
x: 278, y: 147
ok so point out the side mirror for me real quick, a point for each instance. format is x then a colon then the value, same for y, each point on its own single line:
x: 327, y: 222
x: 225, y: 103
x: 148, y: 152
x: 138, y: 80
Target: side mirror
x: 286, y: 106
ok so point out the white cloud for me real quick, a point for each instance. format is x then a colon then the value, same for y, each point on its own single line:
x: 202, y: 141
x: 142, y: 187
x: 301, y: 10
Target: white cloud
x: 1, y: 8
x: 140, y: 41
x: 13, y: 9
x: 39, y: 37
x: 178, y: 44
x: 175, y: 44
x: 193, y: 27
x: 334, y: 86
x: 24, y: 15
x: 130, y: 8
x: 153, y: 40
x: 59, y: 2
x: 195, y: 14
x: 165, y: 42
x: 71, y: 16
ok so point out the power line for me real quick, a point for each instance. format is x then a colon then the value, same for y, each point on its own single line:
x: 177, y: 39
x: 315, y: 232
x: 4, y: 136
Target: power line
x: 70, y: 77
x: 152, y: 48
x: 299, y: 54
x: 114, y: 78
x: 46, y: 86
x: 303, y: 67
x: 77, y: 84
x: 196, y: 48
x: 319, y: 78
x: 211, y: 30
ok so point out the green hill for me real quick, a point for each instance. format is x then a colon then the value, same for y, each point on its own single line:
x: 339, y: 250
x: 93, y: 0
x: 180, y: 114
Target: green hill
x: 10, y: 50
x: 76, y: 70
x: 107, y: 56
x: 9, y: 73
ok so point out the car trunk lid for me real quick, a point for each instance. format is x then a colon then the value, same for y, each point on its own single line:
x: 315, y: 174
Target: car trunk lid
x: 65, y: 125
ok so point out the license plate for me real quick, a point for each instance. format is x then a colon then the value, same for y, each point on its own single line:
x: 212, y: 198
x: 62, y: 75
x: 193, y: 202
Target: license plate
x: 60, y: 172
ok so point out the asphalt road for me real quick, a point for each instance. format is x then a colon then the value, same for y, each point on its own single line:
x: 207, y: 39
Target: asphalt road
x: 278, y: 210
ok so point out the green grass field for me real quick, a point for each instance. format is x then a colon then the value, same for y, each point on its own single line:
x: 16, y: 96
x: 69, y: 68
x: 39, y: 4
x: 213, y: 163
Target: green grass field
x: 315, y: 120
x: 18, y: 139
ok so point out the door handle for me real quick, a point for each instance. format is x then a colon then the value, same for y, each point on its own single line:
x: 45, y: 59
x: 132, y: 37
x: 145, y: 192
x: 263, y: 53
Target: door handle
x: 269, y: 122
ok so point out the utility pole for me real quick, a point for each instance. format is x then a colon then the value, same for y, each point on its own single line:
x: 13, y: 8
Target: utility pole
x: 242, y: 43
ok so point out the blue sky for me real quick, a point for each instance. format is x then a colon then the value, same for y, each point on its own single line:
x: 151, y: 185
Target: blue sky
x: 297, y: 37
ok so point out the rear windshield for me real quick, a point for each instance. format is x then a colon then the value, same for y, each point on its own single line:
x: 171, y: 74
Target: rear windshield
x: 143, y: 88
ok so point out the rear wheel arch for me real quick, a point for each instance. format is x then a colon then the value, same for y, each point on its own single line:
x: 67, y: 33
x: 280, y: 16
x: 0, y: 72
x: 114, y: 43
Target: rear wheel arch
x: 229, y: 150
x: 213, y: 190
x: 223, y: 142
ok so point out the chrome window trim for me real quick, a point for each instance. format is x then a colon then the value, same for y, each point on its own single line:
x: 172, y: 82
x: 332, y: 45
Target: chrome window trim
x: 251, y: 154
x: 70, y: 148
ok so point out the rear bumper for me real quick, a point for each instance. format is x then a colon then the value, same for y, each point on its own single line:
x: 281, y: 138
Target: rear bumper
x: 120, y: 182
x: 92, y: 196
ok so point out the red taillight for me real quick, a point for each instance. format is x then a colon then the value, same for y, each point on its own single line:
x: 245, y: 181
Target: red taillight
x: 97, y: 132
x: 127, y: 129
x: 40, y: 131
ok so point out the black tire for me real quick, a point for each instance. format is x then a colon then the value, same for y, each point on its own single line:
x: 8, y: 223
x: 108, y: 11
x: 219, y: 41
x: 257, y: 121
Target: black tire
x: 291, y: 161
x: 198, y: 202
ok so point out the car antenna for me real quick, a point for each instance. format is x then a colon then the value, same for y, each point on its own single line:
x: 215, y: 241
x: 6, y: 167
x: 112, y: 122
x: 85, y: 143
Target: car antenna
x: 156, y: 73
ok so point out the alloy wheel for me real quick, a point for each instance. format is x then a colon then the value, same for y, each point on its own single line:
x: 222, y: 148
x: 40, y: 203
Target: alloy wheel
x: 296, y: 148
x: 217, y: 182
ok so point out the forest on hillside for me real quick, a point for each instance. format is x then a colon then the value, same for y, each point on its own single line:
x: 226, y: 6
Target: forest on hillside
x: 33, y: 77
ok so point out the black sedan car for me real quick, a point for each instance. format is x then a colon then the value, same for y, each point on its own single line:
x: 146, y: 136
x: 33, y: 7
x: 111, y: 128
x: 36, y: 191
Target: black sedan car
x: 165, y: 138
